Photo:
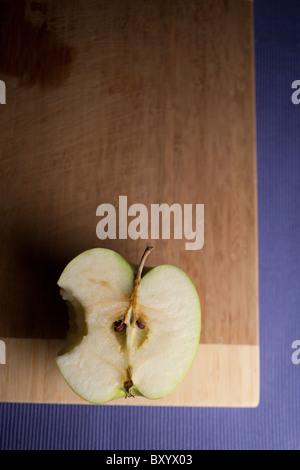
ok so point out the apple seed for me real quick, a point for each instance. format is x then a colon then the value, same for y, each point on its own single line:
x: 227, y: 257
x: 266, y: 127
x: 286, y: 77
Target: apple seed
x: 140, y: 324
x: 119, y: 325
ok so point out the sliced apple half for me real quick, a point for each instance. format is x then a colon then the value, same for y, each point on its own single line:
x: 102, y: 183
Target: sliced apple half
x: 129, y: 334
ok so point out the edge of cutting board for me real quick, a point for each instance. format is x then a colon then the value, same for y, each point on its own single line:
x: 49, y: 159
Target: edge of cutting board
x: 222, y: 375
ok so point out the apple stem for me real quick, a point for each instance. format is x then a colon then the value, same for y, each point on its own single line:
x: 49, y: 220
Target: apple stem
x: 138, y: 276
x: 142, y: 263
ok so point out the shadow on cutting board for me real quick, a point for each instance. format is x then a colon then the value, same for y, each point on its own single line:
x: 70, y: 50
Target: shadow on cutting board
x: 30, y: 295
x: 32, y: 263
x: 32, y: 52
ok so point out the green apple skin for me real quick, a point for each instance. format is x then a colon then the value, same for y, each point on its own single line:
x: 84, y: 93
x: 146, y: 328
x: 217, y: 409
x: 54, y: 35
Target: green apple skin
x: 77, y: 289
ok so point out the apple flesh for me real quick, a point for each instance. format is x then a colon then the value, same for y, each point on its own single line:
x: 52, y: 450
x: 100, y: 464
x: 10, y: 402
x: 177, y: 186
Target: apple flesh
x: 129, y: 334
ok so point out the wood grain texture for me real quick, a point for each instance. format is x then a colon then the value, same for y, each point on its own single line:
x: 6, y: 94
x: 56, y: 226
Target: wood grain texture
x: 153, y: 100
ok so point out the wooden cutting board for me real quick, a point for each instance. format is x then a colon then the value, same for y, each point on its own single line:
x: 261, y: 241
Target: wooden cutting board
x: 153, y: 100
